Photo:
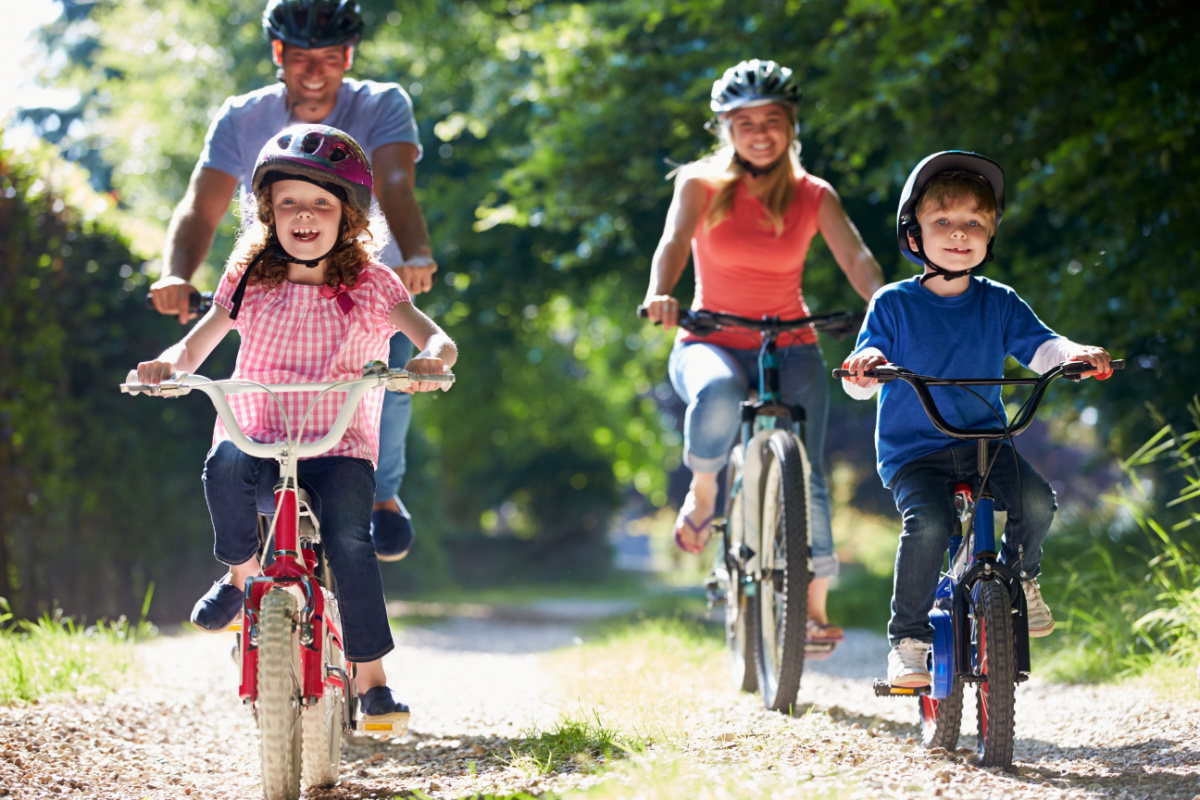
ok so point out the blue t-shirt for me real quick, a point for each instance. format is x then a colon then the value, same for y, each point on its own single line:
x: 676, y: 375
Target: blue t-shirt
x: 373, y: 113
x: 967, y: 336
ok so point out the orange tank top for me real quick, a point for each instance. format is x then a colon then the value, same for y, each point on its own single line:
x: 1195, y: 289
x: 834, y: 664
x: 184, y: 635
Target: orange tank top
x: 744, y: 268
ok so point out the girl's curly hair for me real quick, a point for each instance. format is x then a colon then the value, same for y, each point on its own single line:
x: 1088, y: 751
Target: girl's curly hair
x: 354, y: 235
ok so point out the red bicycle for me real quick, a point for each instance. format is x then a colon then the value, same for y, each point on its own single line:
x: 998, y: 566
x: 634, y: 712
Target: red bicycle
x: 294, y: 673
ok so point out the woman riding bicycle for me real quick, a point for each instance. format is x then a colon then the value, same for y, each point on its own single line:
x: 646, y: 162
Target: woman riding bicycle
x: 747, y: 214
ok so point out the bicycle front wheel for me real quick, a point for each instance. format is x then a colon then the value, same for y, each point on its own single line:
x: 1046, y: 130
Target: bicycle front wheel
x: 780, y: 605
x: 322, y: 721
x: 739, y: 622
x: 278, y: 706
x: 995, y: 661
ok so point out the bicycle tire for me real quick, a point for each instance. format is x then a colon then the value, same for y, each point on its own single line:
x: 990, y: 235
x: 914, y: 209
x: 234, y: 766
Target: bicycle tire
x: 739, y: 622
x: 780, y: 604
x: 278, y: 705
x: 941, y: 720
x: 323, y: 720
x: 996, y: 661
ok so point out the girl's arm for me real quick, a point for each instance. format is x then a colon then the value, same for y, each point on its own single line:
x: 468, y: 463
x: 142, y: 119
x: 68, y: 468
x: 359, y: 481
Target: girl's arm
x: 847, y: 246
x: 673, y: 250
x: 189, y: 353
x: 438, y: 352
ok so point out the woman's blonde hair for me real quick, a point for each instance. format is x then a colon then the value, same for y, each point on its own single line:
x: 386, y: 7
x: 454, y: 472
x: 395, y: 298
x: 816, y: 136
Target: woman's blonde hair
x: 722, y: 171
x: 357, y: 242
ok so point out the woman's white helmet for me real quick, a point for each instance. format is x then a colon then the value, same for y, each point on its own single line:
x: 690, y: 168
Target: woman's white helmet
x: 754, y: 83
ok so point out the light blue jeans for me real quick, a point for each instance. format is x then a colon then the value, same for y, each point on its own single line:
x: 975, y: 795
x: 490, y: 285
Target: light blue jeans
x: 393, y: 427
x: 713, y: 381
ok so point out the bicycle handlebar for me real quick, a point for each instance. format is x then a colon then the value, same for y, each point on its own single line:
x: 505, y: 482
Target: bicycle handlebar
x: 1070, y: 370
x: 374, y: 376
x: 703, y: 322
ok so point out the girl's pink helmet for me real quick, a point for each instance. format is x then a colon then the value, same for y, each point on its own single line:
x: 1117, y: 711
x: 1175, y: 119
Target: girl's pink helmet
x: 318, y: 154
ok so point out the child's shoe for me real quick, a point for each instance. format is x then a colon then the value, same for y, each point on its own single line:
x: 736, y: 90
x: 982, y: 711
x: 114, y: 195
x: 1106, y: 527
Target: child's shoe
x: 380, y: 712
x: 908, y: 664
x: 218, y: 608
x: 1041, y: 623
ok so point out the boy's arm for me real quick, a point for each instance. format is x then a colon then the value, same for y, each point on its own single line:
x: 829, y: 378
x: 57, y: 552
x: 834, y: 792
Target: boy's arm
x: 1060, y: 349
x: 189, y: 353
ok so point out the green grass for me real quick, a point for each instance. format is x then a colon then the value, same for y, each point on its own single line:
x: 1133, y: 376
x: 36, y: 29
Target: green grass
x: 52, y: 655
x: 587, y: 743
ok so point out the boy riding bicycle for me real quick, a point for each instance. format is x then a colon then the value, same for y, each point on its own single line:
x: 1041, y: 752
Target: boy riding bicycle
x: 946, y: 322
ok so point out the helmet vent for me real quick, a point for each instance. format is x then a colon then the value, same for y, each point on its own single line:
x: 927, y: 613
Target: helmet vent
x: 284, y: 141
x: 310, y: 143
x: 338, y: 153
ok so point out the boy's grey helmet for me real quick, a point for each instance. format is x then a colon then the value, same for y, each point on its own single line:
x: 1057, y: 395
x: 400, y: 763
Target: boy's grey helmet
x: 754, y: 83
x: 311, y: 24
x: 914, y: 187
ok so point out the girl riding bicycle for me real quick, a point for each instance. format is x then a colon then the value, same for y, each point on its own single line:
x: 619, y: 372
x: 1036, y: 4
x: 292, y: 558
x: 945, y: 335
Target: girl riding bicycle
x: 311, y: 306
x: 747, y: 214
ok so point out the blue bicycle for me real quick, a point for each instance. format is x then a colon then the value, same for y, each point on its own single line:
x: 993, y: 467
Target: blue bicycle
x: 981, y: 631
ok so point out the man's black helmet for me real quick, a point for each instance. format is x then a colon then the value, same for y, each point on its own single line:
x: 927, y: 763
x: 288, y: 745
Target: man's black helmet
x: 906, y: 214
x: 311, y: 24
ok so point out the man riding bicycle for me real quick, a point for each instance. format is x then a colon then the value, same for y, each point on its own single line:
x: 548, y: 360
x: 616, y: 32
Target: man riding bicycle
x: 312, y: 43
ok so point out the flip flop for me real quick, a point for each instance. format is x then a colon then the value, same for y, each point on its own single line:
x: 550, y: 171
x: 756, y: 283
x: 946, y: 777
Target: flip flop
x: 696, y: 529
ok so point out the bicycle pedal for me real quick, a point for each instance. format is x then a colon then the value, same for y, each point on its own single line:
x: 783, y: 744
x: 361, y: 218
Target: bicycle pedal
x: 395, y: 724
x: 884, y: 689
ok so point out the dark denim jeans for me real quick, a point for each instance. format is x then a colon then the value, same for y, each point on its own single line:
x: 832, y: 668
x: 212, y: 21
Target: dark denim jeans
x: 237, y: 486
x: 924, y: 493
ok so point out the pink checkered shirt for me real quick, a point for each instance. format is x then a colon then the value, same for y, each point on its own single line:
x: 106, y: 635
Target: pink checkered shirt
x: 294, y: 334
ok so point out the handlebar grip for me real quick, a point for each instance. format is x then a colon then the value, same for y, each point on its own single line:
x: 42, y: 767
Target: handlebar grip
x: 643, y: 312
x: 198, y: 302
x: 882, y: 373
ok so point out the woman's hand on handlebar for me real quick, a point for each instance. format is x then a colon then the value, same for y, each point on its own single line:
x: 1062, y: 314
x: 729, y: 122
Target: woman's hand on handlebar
x: 1098, y: 357
x: 154, y: 372
x: 860, y: 362
x: 662, y: 308
x: 422, y: 365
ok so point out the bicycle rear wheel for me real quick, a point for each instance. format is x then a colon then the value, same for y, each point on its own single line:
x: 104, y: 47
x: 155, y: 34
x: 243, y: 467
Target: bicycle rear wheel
x: 278, y: 706
x: 941, y: 720
x: 322, y: 721
x: 739, y: 622
x: 780, y: 605
x: 995, y: 660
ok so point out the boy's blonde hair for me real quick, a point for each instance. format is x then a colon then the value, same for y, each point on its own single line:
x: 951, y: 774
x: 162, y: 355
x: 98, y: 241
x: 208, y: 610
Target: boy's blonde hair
x: 721, y: 171
x: 952, y: 187
x: 358, y: 245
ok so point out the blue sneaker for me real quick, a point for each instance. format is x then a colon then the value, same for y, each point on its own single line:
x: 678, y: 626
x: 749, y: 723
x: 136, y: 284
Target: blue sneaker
x: 381, y: 713
x: 218, y: 608
x: 391, y: 533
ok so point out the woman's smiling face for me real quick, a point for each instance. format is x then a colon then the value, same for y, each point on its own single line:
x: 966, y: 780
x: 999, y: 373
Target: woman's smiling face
x: 307, y: 218
x: 761, y: 134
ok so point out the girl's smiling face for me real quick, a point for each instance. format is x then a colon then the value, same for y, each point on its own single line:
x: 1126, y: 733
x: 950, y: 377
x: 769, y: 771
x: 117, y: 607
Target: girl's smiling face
x: 955, y: 236
x: 307, y: 218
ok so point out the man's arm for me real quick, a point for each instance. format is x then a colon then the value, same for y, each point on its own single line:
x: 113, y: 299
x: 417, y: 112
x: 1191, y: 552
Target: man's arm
x: 847, y: 246
x: 394, y: 168
x: 189, y: 236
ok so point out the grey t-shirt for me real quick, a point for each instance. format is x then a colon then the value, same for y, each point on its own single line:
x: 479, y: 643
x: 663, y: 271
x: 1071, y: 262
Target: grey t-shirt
x: 373, y: 113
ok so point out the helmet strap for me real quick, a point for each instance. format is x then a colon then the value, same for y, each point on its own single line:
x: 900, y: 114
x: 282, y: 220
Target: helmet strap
x: 275, y: 249
x: 757, y: 172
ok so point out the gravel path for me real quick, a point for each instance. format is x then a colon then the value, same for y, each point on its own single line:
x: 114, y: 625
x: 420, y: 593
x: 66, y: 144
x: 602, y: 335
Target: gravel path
x: 476, y: 682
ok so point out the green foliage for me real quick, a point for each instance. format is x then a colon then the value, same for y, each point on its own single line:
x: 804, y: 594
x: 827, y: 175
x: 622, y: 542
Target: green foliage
x: 55, y: 655
x: 548, y: 131
x: 587, y: 743
x: 84, y: 476
x: 1133, y: 596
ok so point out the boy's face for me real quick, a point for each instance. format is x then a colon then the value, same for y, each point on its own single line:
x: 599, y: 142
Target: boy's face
x: 955, y: 236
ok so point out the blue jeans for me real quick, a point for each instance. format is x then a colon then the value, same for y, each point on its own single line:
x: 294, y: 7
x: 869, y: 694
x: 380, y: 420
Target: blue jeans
x: 393, y: 427
x: 714, y: 380
x: 238, y: 486
x: 924, y: 493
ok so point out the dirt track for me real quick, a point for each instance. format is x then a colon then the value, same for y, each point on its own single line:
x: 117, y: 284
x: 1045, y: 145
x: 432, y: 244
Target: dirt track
x: 476, y: 682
